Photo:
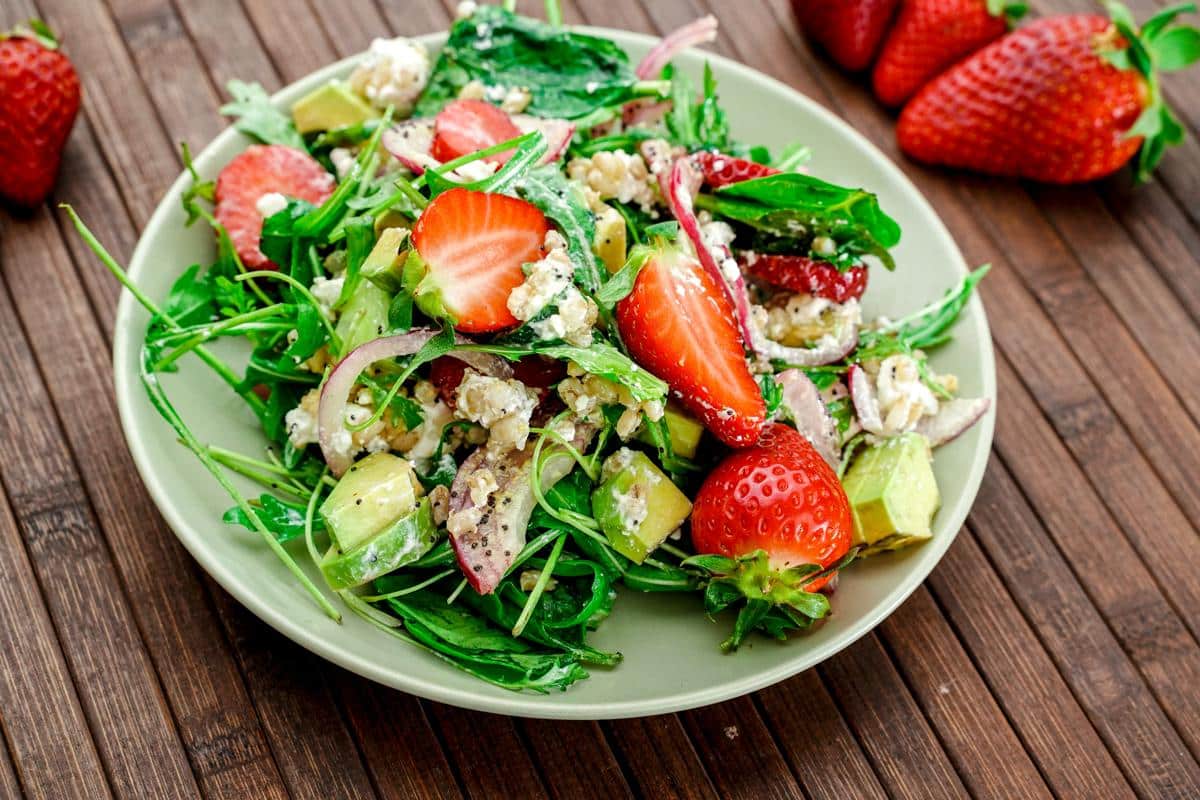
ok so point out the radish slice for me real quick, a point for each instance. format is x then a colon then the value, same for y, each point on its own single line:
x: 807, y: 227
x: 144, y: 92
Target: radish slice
x: 336, y: 392
x: 952, y: 419
x: 803, y: 405
x: 700, y: 31
x: 866, y: 404
x: 411, y: 142
x: 558, y: 133
x: 487, y: 551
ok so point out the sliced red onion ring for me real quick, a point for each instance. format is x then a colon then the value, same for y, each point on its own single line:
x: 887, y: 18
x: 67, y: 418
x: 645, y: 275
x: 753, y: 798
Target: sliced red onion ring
x: 411, y: 142
x: 952, y: 419
x: 829, y: 350
x: 558, y: 133
x: 646, y: 111
x: 336, y: 393
x: 700, y: 31
x: 486, y: 552
x: 803, y: 405
x: 866, y: 404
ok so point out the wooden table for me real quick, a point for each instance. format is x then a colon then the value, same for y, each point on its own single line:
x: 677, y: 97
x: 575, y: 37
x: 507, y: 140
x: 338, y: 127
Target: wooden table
x: 1052, y: 653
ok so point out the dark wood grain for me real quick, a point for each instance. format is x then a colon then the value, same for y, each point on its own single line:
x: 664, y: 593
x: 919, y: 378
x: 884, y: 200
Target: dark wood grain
x: 659, y: 758
x: 507, y: 771
x: 574, y: 759
x: 738, y: 752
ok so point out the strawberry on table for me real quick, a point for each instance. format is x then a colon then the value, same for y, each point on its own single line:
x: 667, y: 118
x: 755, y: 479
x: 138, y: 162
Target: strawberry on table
x: 764, y: 521
x: 678, y: 323
x: 473, y: 245
x: 466, y: 126
x: 849, y: 30
x: 930, y: 35
x: 810, y: 276
x: 1063, y: 100
x: 261, y: 170
x: 720, y: 170
x: 39, y: 99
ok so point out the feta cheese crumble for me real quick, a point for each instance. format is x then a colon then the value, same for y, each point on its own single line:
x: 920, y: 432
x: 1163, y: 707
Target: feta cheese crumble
x: 326, y: 292
x: 903, y: 396
x: 549, y: 282
x: 502, y: 406
x: 803, y: 319
x: 614, y: 174
x: 343, y: 161
x: 586, y: 395
x: 270, y: 204
x: 394, y: 73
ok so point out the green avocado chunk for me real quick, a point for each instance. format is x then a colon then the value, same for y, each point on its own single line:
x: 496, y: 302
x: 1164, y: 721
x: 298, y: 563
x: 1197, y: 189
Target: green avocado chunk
x: 364, y: 317
x: 384, y: 265
x: 684, y: 431
x: 373, y: 494
x: 329, y: 107
x: 404, y: 541
x: 637, y: 506
x: 893, y: 493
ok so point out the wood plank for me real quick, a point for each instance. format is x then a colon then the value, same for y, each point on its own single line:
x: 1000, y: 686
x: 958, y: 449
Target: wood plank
x: 659, y: 759
x: 9, y: 785
x: 977, y: 736
x: 120, y: 695
x: 350, y: 25
x: 397, y: 742
x: 1080, y: 640
x: 1023, y: 678
x: 295, y: 40
x: 575, y: 759
x: 506, y: 772
x: 815, y: 740
x: 888, y: 723
x: 733, y: 742
x: 413, y: 19
x: 43, y: 724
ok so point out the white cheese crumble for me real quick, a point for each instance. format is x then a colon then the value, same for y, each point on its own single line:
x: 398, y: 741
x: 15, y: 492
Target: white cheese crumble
x: 394, y: 73
x: 270, y: 204
x: 465, y: 9
x: 614, y: 174
x: 502, y: 406
x: 343, y: 161
x: 549, y: 282
x: 632, y: 506
x: 803, y: 319
x: 586, y: 395
x: 475, y: 171
x: 516, y: 100
x: 903, y: 396
x: 326, y: 291
x: 481, y: 484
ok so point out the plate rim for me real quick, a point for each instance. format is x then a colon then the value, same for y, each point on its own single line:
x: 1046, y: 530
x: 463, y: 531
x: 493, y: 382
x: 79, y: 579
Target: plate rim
x: 528, y: 704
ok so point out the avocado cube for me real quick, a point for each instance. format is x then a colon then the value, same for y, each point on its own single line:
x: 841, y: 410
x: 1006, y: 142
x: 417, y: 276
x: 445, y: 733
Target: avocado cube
x: 609, y: 244
x: 637, y: 506
x: 683, y: 430
x: 330, y: 107
x: 404, y: 541
x: 893, y: 492
x: 384, y: 265
x: 373, y: 494
x: 364, y: 317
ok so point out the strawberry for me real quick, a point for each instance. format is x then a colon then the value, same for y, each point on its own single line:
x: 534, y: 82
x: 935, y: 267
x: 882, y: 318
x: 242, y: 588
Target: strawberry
x: 39, y: 99
x: 678, y: 323
x: 465, y: 126
x: 767, y: 519
x: 810, y: 276
x: 930, y: 35
x: 849, y: 30
x: 1063, y: 100
x: 262, y: 169
x: 473, y: 245
x: 720, y: 170
x: 537, y: 372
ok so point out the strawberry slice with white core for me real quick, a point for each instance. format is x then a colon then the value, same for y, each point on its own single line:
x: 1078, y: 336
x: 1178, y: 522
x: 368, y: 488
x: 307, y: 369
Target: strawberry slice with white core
x: 467, y: 126
x: 678, y: 323
x: 259, y: 170
x: 473, y: 245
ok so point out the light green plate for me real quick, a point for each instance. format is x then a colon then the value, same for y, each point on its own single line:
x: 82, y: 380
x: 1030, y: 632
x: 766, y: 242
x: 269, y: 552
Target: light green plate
x: 671, y: 657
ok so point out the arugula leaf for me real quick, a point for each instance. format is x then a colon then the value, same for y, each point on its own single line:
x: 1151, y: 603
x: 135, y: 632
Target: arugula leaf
x: 310, y: 333
x: 562, y: 201
x: 570, y: 74
x: 772, y: 393
x: 696, y: 126
x: 284, y: 520
x: 618, y: 287
x: 258, y: 118
x: 453, y: 625
x: 190, y: 300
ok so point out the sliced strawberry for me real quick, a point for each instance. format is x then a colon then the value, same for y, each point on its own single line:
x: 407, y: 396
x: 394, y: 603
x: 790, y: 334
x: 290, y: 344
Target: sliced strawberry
x: 466, y: 126
x: 721, y: 170
x: 536, y: 372
x: 263, y: 169
x: 810, y: 276
x: 678, y: 323
x: 473, y: 245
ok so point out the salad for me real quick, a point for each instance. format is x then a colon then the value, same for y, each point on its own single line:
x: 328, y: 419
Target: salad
x: 524, y: 323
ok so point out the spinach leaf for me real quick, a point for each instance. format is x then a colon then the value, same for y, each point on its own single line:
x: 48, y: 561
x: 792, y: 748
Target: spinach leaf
x: 257, y: 117
x: 284, y: 520
x: 562, y: 201
x: 570, y: 74
x: 452, y: 624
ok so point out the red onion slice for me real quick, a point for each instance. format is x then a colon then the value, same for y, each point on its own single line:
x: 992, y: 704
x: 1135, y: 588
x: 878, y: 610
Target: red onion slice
x: 700, y: 31
x: 486, y: 553
x: 803, y: 405
x: 645, y: 112
x: 866, y: 404
x: 953, y: 418
x: 411, y: 142
x: 336, y: 393
x: 558, y: 133
x: 828, y: 350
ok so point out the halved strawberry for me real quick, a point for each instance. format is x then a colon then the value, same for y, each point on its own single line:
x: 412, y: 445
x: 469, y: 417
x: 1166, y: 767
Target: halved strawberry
x: 473, y: 245
x: 678, y: 323
x: 721, y: 170
x: 465, y: 126
x: 808, y: 275
x: 262, y: 169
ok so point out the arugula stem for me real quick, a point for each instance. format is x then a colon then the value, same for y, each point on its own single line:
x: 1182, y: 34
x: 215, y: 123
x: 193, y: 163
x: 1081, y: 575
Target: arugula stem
x: 304, y: 292
x: 308, y: 520
x: 376, y: 598
x: 212, y: 331
x: 267, y: 480
x: 539, y: 587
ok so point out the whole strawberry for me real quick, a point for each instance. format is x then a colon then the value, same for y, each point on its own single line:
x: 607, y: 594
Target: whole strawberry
x: 849, y: 30
x: 930, y: 35
x: 1062, y: 100
x: 39, y: 98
